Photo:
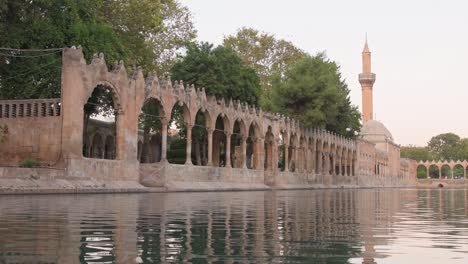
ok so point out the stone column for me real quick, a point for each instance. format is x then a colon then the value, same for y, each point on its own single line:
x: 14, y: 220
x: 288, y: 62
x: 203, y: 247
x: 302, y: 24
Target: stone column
x: 339, y: 165
x: 260, y: 143
x: 286, y: 157
x: 327, y: 164
x: 293, y: 158
x: 228, y: 150
x: 188, y: 160
x: 210, y: 147
x: 244, y: 151
x: 312, y: 161
x: 333, y: 165
x: 319, y: 162
x: 163, y: 140
x: 440, y: 172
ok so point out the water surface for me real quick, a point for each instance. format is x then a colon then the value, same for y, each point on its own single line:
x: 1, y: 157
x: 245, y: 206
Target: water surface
x: 313, y: 226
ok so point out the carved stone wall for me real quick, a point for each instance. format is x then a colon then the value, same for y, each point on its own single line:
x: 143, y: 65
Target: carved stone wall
x: 311, y: 156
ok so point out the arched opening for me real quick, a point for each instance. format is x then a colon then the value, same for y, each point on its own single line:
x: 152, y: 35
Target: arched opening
x: 200, y: 139
x: 458, y: 172
x: 421, y: 172
x: 97, y: 148
x: 446, y: 172
x: 281, y: 151
x: 337, y: 161
x: 301, y: 154
x: 109, y: 148
x: 343, y: 162
x: 331, y: 156
x: 253, y: 152
x: 140, y: 144
x: 237, y: 151
x: 268, y: 148
x: 292, y: 153
x: 318, y: 157
x: 177, y: 134
x: 434, y: 171
x: 86, y: 147
x: 149, y: 131
x: 219, y: 142
x: 100, y: 114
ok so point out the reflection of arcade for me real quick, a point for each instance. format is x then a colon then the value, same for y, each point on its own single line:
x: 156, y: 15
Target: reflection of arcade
x: 262, y: 227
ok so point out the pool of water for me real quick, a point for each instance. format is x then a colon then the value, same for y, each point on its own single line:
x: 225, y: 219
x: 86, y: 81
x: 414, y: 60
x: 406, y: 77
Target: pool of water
x: 312, y: 226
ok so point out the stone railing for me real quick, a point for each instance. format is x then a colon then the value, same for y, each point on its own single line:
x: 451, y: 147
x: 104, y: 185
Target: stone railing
x: 30, y: 108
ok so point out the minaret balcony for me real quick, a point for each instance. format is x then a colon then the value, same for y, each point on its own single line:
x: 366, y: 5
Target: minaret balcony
x: 368, y: 78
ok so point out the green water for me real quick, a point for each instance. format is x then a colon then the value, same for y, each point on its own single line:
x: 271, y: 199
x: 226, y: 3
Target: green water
x: 314, y: 226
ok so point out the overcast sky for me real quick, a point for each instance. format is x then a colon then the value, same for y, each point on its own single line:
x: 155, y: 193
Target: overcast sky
x: 419, y: 51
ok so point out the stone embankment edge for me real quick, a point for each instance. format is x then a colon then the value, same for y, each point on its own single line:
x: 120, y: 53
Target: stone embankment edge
x: 12, y: 191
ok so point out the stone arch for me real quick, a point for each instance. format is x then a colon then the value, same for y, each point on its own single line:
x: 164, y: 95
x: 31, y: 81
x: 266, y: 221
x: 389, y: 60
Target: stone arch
x: 151, y: 122
x: 238, y: 144
x: 179, y: 143
x: 139, y: 146
x: 268, y: 149
x: 332, y: 159
x: 318, y: 156
x: 302, y: 153
x: 282, y: 148
x: 220, y: 148
x: 458, y: 171
x: 199, y: 139
x: 292, y: 154
x: 446, y: 171
x: 103, y: 106
x: 253, y: 152
x: 422, y: 171
x: 434, y: 171
x: 310, y: 155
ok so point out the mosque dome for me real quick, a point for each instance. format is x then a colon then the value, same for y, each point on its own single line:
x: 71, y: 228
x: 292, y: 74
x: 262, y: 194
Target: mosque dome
x: 374, y: 131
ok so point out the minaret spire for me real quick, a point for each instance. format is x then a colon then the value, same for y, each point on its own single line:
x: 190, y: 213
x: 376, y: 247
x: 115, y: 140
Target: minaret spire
x: 367, y: 79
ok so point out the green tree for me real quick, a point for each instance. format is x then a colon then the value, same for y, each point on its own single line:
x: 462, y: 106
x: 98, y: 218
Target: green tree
x: 220, y: 71
x: 141, y: 32
x: 313, y: 92
x: 153, y: 32
x: 415, y: 153
x: 269, y: 56
x: 48, y: 24
x: 266, y: 54
x: 445, y: 146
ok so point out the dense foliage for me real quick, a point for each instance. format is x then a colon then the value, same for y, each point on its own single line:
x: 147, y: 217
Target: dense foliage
x: 158, y: 35
x: 146, y: 33
x: 313, y: 92
x: 447, y: 146
x: 220, y: 71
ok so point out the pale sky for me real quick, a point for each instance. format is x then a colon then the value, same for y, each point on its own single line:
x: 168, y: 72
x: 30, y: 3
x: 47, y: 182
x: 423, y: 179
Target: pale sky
x: 419, y: 51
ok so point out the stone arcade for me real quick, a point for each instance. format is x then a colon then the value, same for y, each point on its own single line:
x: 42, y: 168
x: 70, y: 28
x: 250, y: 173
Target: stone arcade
x: 51, y: 131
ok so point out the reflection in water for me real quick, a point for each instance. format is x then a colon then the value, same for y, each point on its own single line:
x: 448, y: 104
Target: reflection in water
x: 314, y: 226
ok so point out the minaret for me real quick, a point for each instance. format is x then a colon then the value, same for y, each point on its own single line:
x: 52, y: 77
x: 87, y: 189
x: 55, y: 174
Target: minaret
x: 367, y: 79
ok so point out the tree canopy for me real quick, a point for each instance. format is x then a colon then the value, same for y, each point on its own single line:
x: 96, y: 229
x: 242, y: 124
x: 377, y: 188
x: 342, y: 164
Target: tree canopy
x: 266, y: 54
x: 447, y: 146
x: 313, y: 92
x: 269, y: 56
x: 145, y: 33
x: 220, y: 71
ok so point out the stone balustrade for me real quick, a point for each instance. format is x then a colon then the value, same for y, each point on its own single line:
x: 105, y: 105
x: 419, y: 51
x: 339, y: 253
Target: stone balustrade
x: 30, y: 108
